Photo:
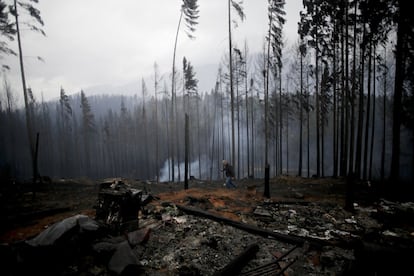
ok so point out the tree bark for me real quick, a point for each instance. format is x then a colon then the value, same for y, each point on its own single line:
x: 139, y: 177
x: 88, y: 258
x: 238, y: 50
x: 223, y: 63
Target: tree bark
x: 172, y: 121
x: 187, y: 146
x: 29, y: 123
x: 233, y: 148
x: 398, y: 89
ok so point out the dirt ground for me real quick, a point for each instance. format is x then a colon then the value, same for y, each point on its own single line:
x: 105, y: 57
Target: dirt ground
x: 182, y: 243
x: 26, y: 215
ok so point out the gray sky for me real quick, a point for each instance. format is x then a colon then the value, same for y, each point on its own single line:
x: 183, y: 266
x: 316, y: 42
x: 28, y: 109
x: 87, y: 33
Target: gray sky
x: 103, y: 43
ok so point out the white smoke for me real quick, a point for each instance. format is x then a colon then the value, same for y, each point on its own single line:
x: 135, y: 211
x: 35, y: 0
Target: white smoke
x: 194, y: 170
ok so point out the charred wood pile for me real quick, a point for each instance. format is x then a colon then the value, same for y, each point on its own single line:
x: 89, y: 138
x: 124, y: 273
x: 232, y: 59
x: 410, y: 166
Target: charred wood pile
x: 118, y: 206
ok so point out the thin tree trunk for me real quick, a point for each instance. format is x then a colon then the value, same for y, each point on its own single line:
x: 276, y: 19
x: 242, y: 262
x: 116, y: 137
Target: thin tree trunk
x: 145, y: 132
x: 358, y: 152
x: 187, y: 146
x: 222, y: 125
x: 342, y: 169
x: 398, y: 89
x: 35, y: 162
x: 373, y: 119
x: 11, y: 123
x: 233, y: 152
x: 280, y: 121
x: 157, y: 157
x: 247, y: 121
x: 266, y: 76
x: 238, y: 121
x: 335, y: 115
x: 308, y: 124
x: 170, y: 167
x: 318, y: 142
x: 253, y: 140
x: 199, y: 139
x: 347, y: 97
x: 384, y: 112
x: 29, y: 123
x: 287, y: 143
x: 214, y: 133
x: 177, y: 140
x: 173, y: 99
x: 352, y: 100
x: 367, y: 120
x: 301, y: 117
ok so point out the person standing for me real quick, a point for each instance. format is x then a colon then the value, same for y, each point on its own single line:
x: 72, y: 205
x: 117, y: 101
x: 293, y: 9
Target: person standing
x: 229, y: 173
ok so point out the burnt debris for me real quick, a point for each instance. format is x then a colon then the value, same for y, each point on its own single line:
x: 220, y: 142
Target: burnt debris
x: 217, y: 232
x: 118, y: 206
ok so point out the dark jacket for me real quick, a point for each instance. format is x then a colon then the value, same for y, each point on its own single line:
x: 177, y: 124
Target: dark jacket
x: 228, y: 170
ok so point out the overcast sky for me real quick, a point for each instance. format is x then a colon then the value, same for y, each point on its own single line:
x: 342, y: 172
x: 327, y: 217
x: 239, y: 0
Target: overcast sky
x: 103, y: 43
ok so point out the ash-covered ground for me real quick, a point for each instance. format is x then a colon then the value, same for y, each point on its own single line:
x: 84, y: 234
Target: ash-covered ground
x: 302, y: 229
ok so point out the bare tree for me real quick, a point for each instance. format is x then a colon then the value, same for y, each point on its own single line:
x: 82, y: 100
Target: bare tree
x: 35, y: 14
x: 7, y: 31
x: 274, y: 41
x: 189, y: 9
x: 157, y: 154
x: 65, y: 129
x: 239, y: 9
x: 88, y: 128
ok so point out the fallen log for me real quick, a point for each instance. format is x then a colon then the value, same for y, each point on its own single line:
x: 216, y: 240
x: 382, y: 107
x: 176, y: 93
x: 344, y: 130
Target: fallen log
x: 236, y: 265
x: 291, y: 239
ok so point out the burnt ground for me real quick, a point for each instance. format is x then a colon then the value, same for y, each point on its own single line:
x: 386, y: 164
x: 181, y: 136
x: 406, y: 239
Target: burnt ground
x: 200, y: 231
x: 26, y: 215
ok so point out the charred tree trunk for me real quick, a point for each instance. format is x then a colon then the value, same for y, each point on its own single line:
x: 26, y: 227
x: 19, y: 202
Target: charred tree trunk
x: 233, y: 149
x: 187, y: 148
x: 29, y: 123
x: 301, y: 117
x: 360, y: 115
x: 384, y: 120
x: 398, y: 88
x: 367, y: 120
x: 373, y: 120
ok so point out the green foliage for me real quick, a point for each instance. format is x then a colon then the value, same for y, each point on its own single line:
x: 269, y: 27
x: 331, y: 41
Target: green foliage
x: 87, y: 115
x: 33, y: 12
x: 277, y: 20
x: 378, y: 17
x: 190, y: 82
x: 325, y: 95
x: 190, y: 10
x: 65, y: 107
x: 32, y: 100
x: 7, y: 30
x: 239, y: 8
x: 64, y: 102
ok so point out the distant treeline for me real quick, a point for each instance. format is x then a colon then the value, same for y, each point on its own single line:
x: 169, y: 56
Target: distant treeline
x: 340, y: 103
x: 107, y: 136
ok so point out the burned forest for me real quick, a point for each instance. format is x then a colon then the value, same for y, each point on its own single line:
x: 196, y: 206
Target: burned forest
x: 195, y: 137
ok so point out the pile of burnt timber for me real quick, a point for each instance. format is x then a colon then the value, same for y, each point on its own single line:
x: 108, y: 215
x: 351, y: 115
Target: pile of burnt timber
x: 118, y: 206
x: 83, y: 245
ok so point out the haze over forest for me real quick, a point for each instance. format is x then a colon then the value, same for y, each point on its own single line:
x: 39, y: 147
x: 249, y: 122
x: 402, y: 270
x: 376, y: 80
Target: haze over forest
x: 336, y: 102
